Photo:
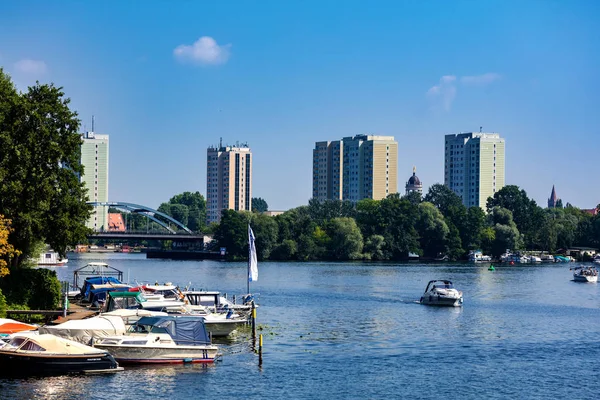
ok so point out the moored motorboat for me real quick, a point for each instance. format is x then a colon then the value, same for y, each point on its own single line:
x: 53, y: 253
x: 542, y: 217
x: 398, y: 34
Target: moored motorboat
x: 441, y: 293
x: 596, y: 259
x: 585, y: 274
x: 51, y: 258
x: 28, y: 355
x: 157, y: 340
x: 478, y: 256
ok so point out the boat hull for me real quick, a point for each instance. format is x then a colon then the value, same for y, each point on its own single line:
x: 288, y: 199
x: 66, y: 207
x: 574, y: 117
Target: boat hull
x: 125, y: 354
x: 585, y: 278
x: 441, y: 301
x: 19, y: 364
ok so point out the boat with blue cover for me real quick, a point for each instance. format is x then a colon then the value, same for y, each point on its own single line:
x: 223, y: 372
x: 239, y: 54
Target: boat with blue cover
x: 162, y: 340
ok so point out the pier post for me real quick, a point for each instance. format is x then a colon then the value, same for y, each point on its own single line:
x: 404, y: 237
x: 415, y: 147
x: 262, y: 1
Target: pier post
x: 260, y: 346
x: 253, y: 321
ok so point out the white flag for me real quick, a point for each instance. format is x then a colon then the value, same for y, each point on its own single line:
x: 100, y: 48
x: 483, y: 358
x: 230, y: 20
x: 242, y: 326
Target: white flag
x: 252, y: 261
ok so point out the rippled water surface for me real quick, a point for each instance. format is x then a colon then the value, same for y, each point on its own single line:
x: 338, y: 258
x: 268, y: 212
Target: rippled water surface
x: 354, y: 330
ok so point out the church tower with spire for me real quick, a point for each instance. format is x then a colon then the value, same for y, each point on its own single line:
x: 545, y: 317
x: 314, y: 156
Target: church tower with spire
x: 553, y: 200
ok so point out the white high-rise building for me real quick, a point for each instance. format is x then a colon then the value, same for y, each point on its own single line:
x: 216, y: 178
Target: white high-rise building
x: 474, y: 166
x: 94, y: 158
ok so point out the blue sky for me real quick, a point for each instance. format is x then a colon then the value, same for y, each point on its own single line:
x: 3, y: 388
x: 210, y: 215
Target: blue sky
x: 167, y: 79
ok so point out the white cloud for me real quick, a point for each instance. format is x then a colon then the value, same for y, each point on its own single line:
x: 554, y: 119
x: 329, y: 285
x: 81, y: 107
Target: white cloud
x: 31, y: 67
x: 205, y: 51
x: 484, y: 79
x: 443, y: 93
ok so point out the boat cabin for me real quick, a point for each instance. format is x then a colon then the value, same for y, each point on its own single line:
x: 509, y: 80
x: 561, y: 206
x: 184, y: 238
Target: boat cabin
x: 439, y: 284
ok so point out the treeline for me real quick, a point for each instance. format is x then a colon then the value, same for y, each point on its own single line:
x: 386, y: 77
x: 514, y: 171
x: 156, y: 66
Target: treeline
x: 435, y: 226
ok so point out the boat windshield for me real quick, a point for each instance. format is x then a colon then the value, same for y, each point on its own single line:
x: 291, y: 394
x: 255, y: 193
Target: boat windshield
x: 441, y: 285
x: 32, y: 346
x: 139, y: 328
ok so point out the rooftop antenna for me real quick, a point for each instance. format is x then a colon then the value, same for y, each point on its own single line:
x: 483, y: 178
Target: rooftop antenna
x: 92, y: 123
x: 220, y: 142
x: 480, y: 129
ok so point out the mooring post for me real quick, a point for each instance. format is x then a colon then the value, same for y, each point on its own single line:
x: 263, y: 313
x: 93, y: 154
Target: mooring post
x: 234, y: 299
x: 66, y: 299
x: 253, y: 321
x: 260, y: 345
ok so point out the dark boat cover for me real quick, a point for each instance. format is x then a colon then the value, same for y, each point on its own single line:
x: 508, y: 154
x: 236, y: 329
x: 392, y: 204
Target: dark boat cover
x: 96, y: 280
x: 185, y: 330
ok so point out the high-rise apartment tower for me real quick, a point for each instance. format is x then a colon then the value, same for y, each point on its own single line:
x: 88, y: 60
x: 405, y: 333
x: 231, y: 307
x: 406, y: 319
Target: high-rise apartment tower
x: 228, y: 180
x: 355, y: 168
x: 94, y: 158
x: 474, y: 166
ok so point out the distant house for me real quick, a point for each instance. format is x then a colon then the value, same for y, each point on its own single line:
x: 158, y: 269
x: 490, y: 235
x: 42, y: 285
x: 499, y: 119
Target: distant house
x: 115, y: 222
x: 592, y: 211
x: 272, y: 213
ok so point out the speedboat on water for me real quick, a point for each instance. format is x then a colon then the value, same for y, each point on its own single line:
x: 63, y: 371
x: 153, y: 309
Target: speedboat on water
x: 27, y: 355
x: 585, y: 274
x: 441, y: 293
x: 596, y: 259
x: 159, y: 340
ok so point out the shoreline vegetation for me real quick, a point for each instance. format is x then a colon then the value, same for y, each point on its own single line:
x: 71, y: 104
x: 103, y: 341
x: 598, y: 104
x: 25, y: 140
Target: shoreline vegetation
x: 435, y: 227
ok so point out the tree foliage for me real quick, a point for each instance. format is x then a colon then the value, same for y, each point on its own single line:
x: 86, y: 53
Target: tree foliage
x: 259, y: 205
x: 40, y: 190
x: 188, y: 208
x: 7, y: 250
x: 391, y: 228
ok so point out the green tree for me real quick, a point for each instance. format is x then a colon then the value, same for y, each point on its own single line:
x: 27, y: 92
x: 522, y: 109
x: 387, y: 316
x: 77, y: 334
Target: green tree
x: 527, y: 215
x: 373, y: 248
x: 455, y: 215
x: 286, y: 250
x: 325, y: 210
x: 506, y: 234
x: 232, y: 233
x: 432, y: 230
x: 265, y: 231
x: 474, y: 227
x: 188, y: 208
x: 346, y: 239
x: 40, y: 190
x: 259, y: 205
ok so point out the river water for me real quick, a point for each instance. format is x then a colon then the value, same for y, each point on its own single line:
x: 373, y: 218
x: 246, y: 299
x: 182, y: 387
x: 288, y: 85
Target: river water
x: 355, y: 330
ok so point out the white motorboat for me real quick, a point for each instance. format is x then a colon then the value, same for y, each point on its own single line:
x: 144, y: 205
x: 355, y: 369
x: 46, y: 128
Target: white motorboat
x: 51, y: 258
x: 221, y: 324
x: 596, y: 259
x: 585, y: 274
x: 534, y: 259
x: 88, y: 330
x: 513, y: 258
x: 27, y: 355
x: 156, y: 340
x: 478, y: 256
x: 217, y: 303
x: 441, y: 293
x: 547, y: 258
x: 218, y: 324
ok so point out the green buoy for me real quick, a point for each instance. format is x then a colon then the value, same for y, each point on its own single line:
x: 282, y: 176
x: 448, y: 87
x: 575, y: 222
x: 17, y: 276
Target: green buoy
x: 491, y: 268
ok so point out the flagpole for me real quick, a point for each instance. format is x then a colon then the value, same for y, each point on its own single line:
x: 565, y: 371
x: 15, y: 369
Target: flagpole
x: 249, y: 261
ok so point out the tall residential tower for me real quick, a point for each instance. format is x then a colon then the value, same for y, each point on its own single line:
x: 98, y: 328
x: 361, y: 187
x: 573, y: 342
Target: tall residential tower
x: 474, y: 166
x: 355, y: 168
x: 228, y: 180
x: 94, y: 158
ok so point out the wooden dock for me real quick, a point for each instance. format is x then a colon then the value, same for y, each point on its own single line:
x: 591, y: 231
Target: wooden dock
x: 74, y: 312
